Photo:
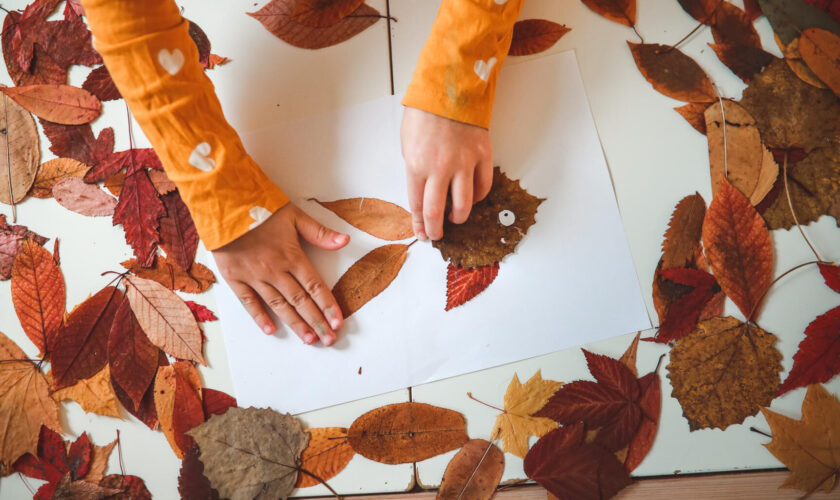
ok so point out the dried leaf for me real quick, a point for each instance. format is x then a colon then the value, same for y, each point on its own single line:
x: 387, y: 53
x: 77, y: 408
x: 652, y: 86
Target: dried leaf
x: 820, y: 49
x: 818, y: 357
x: 673, y: 73
x: 20, y: 150
x: 808, y: 447
x: 258, y: 457
x: 167, y: 321
x: 276, y: 17
x: 215, y: 402
x: 68, y: 489
x: 178, y: 406
x: 684, y: 312
x: 794, y: 61
x: 162, y: 183
x: 682, y: 238
x: 55, y: 459
x: 830, y: 7
x: 145, y: 411
x: 650, y: 402
x: 407, y: 432
x: 216, y: 60
x: 192, y: 483
x: 94, y: 394
x: 375, y: 217
x: 100, y: 84
x: 327, y: 454
x: 38, y: 294
x: 132, y: 357
x: 323, y: 13
x: 368, y: 277
x: 178, y: 235
x: 77, y: 142
x: 61, y: 104
x: 723, y: 371
x: 127, y: 487
x: 139, y: 210
x: 738, y: 248
x: 620, y: 11
x: 200, y: 312
x: 474, y: 472
x: 701, y: 10
x: 80, y: 349
x: 75, y: 194
x: 532, y: 36
x: 170, y: 275
x: 11, y: 239
x: 53, y: 171
x: 628, y: 359
x: 831, y: 275
x: 522, y: 402
x: 731, y: 27
x: 790, y: 17
x: 462, y: 285
x: 495, y: 227
x: 693, y: 113
x: 745, y: 61
x: 99, y: 461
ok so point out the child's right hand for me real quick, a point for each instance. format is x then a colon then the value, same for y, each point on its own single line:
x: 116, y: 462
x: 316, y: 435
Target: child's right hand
x: 266, y: 266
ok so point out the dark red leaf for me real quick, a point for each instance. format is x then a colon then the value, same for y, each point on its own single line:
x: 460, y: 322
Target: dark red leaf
x: 192, y: 483
x: 187, y: 411
x: 202, y: 43
x: 752, y: 10
x: 613, y: 374
x: 77, y: 142
x: 818, y: 357
x: 131, y: 160
x: 132, y: 356
x: 79, y: 456
x: 216, y: 402
x: 100, y: 84
x: 51, y: 462
x: 200, y: 312
x: 133, y: 488
x: 831, y: 274
x: 146, y: 412
x: 178, y: 235
x: 464, y: 284
x: 650, y: 404
x: 139, y: 210
x: 684, y: 312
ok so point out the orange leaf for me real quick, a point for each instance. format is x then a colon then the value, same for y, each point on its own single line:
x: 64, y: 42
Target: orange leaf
x: 531, y: 36
x: 682, y: 238
x: 178, y: 404
x: 738, y: 248
x: 672, y: 73
x: 38, y: 294
x: 94, y: 394
x: 693, y: 114
x: 820, y: 49
x: 463, y: 285
x: 368, y: 277
x: 53, y: 171
x: 474, y: 472
x: 62, y: 104
x: 628, y: 359
x: 375, y: 217
x: 327, y: 454
x: 620, y: 11
x: 323, y: 13
x: 169, y: 274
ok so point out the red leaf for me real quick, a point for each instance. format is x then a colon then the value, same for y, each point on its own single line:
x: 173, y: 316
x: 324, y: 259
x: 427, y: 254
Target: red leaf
x: 146, y: 411
x: 531, y: 36
x: 11, y: 238
x: 100, y: 84
x: 818, y: 357
x: 77, y: 142
x: 79, y: 456
x: 684, y: 312
x: 620, y: 11
x: 131, y: 160
x: 200, y: 312
x: 192, y: 483
x: 651, y: 405
x: 139, y: 211
x: 81, y: 345
x: 216, y: 402
x: 132, y: 487
x: 178, y: 235
x: 464, y: 284
x: 569, y: 468
x: 612, y: 373
x: 831, y: 274
x: 38, y: 294
x: 187, y: 411
x: 54, y: 460
x: 133, y: 358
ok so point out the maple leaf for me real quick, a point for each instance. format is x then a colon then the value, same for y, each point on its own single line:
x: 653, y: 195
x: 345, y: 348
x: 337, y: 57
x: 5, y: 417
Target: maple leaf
x: 474, y: 472
x: 100, y: 84
x: 259, y: 455
x: 11, y: 239
x: 518, y: 421
x: 38, y: 294
x: 327, y: 454
x: 78, y: 196
x: 406, y: 432
x: 132, y: 357
x: 723, y: 371
x: 532, y: 36
x: 323, y: 13
x: 684, y: 312
x: 178, y: 235
x: 78, y: 142
x: 368, y: 277
x: 620, y: 11
x: 56, y: 459
x: 63, y: 104
x: 139, y: 210
x: 818, y: 357
x: 53, y: 171
x: 672, y: 73
x: 215, y: 402
x: 20, y: 146
x: 568, y: 467
x: 808, y: 447
x: 192, y: 483
x: 94, y: 394
x: 462, y: 285
x: 200, y: 312
x: 170, y: 275
x: 379, y: 218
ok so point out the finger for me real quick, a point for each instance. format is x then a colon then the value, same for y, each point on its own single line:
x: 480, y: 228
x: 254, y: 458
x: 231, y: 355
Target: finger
x: 305, y: 307
x: 415, y: 204
x: 318, y: 234
x: 287, y: 314
x: 462, y: 197
x: 434, y: 203
x: 308, y: 277
x: 482, y: 179
x: 255, y: 308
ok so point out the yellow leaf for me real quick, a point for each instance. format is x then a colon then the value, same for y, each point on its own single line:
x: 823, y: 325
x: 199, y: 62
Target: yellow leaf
x: 521, y: 401
x: 94, y: 394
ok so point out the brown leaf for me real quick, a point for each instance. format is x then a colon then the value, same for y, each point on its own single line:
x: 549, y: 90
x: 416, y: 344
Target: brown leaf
x: 693, y: 114
x: 373, y: 216
x: 323, y: 13
x: 25, y: 404
x: 474, y: 472
x: 38, y: 294
x: 165, y: 318
x: 723, y: 371
x: 407, y: 432
x: 258, y: 457
x: 132, y: 357
x: 682, y: 238
x: 327, y: 454
x: 620, y: 11
x: 99, y: 462
x: 53, y: 171
x: 368, y: 277
x: 275, y: 16
x: 161, y: 181
x: 672, y: 73
x: 732, y: 27
x: 794, y: 61
x: 94, y: 394
x: 820, y: 49
x: 745, y: 61
x: 68, y: 489
x: 75, y: 194
x: 62, y: 104
x: 20, y: 150
x: 170, y: 275
x: 532, y: 36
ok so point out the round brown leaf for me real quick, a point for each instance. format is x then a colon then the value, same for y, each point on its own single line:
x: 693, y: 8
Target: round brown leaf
x: 323, y: 13
x: 379, y: 218
x: 62, y: 104
x: 820, y: 49
x: 53, y: 171
x: 368, y: 277
x: 672, y: 73
x: 20, y: 152
x: 474, y: 472
x: 531, y: 36
x: 327, y: 454
x: 723, y: 372
x: 38, y: 294
x: 407, y: 432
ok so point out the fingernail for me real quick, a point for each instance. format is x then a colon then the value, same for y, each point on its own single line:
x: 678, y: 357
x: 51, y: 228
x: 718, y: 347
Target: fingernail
x: 267, y: 329
x: 421, y: 235
x: 340, y: 238
x: 309, y: 337
x: 329, y: 339
x: 334, y: 323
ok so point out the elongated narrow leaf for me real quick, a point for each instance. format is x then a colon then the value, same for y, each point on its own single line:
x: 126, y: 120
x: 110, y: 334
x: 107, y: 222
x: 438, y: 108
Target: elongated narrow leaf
x: 75, y: 194
x: 682, y: 238
x: 276, y: 17
x: 178, y: 235
x: 38, y: 294
x: 62, y: 104
x: 323, y: 13
x: 133, y: 358
x: 20, y: 150
x: 368, y: 277
x: 376, y: 217
x: 820, y: 49
x: 532, y: 36
x: 474, y: 472
x: 673, y: 73
x: 178, y: 406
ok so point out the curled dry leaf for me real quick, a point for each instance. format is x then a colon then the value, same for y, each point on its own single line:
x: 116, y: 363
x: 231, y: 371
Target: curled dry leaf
x: 520, y: 419
x: 20, y: 150
x: 532, y: 36
x: 474, y: 472
x: 75, y: 194
x: 276, y: 17
x: 258, y: 457
x: 723, y: 371
x: 323, y: 13
x: 53, y: 171
x: 368, y: 277
x: 94, y: 394
x: 38, y: 294
x: 61, y: 104
x: 167, y: 321
x: 170, y: 274
x: 673, y: 73
x: 820, y: 49
x: 818, y: 357
x: 462, y: 285
x: 327, y: 454
x: 376, y: 217
x: 620, y: 11
x: 407, y: 432
x: 132, y: 357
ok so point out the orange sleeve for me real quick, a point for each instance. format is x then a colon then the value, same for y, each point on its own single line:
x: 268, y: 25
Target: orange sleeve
x: 154, y: 63
x: 457, y: 70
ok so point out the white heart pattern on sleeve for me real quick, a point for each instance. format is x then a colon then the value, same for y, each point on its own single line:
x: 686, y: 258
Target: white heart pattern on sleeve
x: 200, y: 157
x: 483, y: 68
x: 172, y: 61
x: 259, y: 214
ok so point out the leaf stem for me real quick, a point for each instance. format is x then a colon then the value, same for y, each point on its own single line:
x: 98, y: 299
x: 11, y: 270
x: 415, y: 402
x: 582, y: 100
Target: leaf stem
x: 119, y: 453
x: 313, y: 476
x: 636, y: 31
x: 22, y: 477
x: 469, y: 395
x: 757, y: 431
x: 699, y: 25
x: 9, y: 160
x: 761, y: 299
x: 793, y: 212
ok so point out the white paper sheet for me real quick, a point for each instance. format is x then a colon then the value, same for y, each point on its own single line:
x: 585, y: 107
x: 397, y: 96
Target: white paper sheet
x: 571, y: 280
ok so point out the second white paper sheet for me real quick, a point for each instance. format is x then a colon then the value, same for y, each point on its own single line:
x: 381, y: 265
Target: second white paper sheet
x: 570, y: 281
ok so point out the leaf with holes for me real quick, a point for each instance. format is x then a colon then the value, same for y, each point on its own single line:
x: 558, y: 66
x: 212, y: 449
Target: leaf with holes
x: 369, y: 277
x: 818, y: 358
x: 519, y: 420
x: 38, y: 294
x: 276, y: 17
x: 61, y: 104
x: 376, y: 217
x: 672, y: 73
x: 20, y: 150
x: 474, y: 472
x: 327, y: 454
x: 462, y: 285
x: 532, y: 36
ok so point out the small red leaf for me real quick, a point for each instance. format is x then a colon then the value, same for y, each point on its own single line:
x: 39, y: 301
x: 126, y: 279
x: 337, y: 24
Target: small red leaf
x: 684, y: 312
x: 200, y: 312
x: 831, y: 274
x: 100, y: 84
x: 464, y: 284
x: 216, y: 402
x: 818, y: 357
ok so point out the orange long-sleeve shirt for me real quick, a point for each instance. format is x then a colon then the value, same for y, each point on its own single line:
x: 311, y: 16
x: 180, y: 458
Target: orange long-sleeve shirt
x: 154, y: 63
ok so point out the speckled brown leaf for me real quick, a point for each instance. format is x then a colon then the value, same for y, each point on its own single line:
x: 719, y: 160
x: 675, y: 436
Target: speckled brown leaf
x: 63, y: 104
x: 323, y: 13
x: 368, y: 277
x: 53, y: 171
x: 620, y: 11
x: 474, y: 472
x: 407, y: 432
x: 373, y: 216
x: 820, y: 49
x: 258, y: 457
x: 532, y: 36
x: 75, y: 194
x: 723, y: 372
x: 170, y: 274
x: 327, y: 454
x: 693, y: 114
x: 672, y: 73
x: 94, y: 394
x: 495, y: 227
x: 20, y: 146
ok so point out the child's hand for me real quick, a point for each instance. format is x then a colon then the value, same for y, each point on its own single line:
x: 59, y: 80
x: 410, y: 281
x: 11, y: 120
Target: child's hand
x: 440, y: 153
x: 268, y: 263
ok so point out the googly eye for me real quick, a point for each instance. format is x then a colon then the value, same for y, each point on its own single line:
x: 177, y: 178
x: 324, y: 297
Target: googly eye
x: 506, y: 218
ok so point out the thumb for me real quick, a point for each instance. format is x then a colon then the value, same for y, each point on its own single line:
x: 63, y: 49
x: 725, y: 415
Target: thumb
x: 319, y: 235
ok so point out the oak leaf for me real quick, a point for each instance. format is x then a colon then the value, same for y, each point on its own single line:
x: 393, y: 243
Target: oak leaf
x: 818, y: 357
x: 693, y: 113
x: 258, y: 457
x: 327, y: 454
x: 139, y: 211
x: 178, y: 235
x: 20, y: 148
x: 100, y: 84
x: 790, y: 17
x: 323, y: 13
x: 518, y: 421
x: 368, y: 277
x: 61, y: 104
x: 723, y: 371
x: 673, y: 73
x: 94, y: 394
x: 379, y: 218
x: 406, y: 432
x: 170, y: 275
x: 474, y: 472
x: 820, y: 49
x: 215, y: 402
x: 131, y: 355
x: 53, y: 171
x: 462, y: 285
x: 38, y: 294
x: 620, y: 11
x: 532, y: 36
x: 76, y: 195
x: 809, y: 446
